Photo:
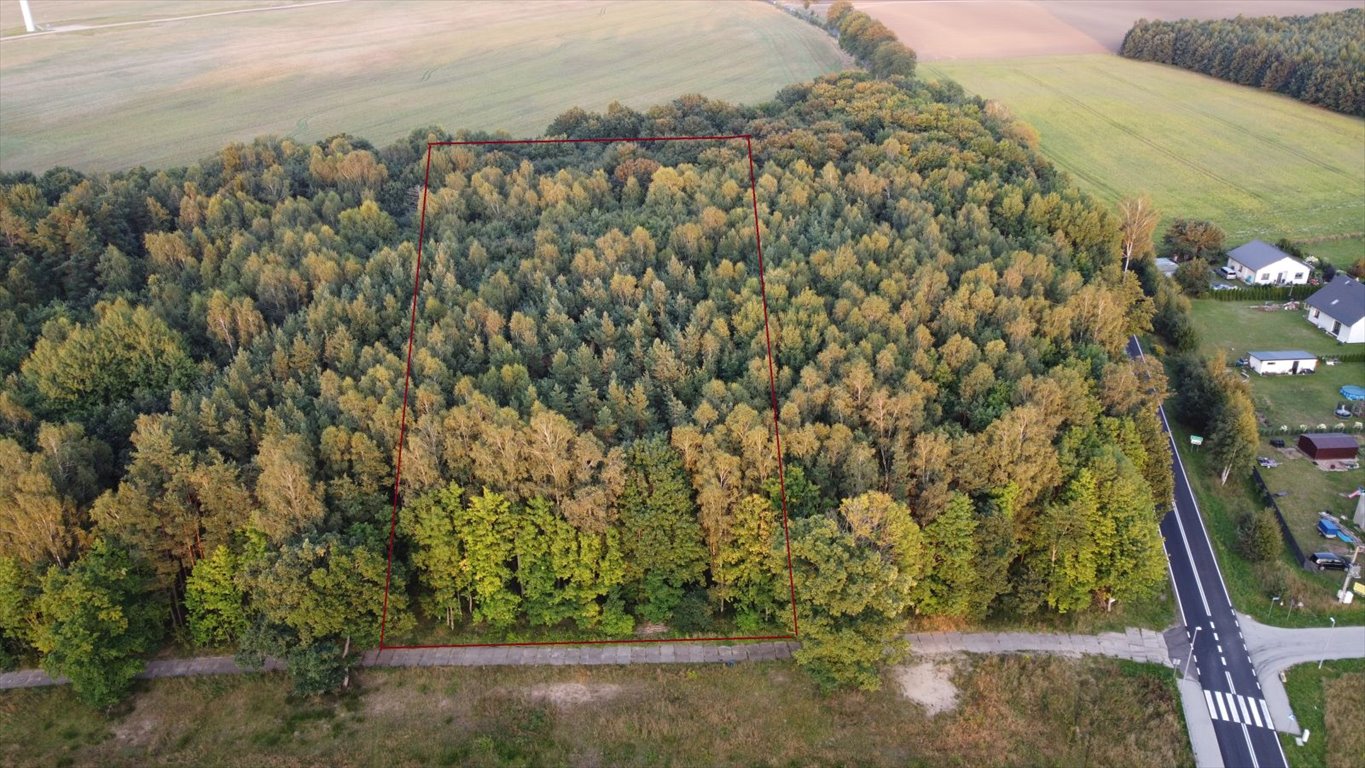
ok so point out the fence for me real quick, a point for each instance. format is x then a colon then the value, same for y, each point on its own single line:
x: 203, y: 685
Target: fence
x: 1279, y: 516
x: 1263, y: 293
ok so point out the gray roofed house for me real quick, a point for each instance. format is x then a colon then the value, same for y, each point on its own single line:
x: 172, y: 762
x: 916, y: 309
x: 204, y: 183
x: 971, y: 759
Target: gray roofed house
x: 1261, y: 263
x: 1339, y: 309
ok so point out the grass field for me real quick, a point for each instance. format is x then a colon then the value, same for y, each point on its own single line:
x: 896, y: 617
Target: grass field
x: 1237, y: 328
x: 1340, y: 253
x: 1257, y: 164
x: 1011, y: 711
x: 1330, y: 703
x: 165, y: 94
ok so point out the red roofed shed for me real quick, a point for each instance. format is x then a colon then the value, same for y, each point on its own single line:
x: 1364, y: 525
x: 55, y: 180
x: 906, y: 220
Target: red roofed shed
x: 1329, y: 446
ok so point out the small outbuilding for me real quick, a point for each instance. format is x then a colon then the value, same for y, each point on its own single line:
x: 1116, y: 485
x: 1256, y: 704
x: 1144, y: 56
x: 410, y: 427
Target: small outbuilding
x: 1260, y: 263
x: 1166, y: 267
x: 1329, y: 446
x: 1282, y: 361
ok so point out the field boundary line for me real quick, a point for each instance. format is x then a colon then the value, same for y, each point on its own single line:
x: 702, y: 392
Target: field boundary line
x: 140, y: 22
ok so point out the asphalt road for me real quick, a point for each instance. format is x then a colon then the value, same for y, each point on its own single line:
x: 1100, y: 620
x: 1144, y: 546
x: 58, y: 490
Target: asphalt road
x: 1221, y: 663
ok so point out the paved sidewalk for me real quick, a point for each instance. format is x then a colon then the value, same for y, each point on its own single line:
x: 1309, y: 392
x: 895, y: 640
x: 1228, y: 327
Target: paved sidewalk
x: 1203, y: 739
x: 1275, y: 649
x: 587, y: 655
x: 1134, y: 644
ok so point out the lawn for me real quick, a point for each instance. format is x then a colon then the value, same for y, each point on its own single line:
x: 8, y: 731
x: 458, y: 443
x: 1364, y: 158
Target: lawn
x: 1258, y: 164
x: 1329, y: 703
x: 1237, y: 328
x: 1308, y: 490
x: 1011, y: 711
x: 167, y: 94
x: 1342, y: 253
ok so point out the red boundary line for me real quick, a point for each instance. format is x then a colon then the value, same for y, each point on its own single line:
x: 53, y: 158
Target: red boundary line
x: 407, y: 380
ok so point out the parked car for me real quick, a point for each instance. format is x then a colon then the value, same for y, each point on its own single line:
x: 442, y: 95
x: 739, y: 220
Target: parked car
x: 1227, y: 272
x: 1328, y: 561
x: 1277, y: 442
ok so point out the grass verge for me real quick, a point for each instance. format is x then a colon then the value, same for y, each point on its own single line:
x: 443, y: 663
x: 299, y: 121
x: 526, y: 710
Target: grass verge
x: 1012, y: 710
x: 1330, y: 704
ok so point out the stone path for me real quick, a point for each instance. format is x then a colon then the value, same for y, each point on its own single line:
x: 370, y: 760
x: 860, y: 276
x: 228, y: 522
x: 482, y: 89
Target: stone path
x: 1134, y: 644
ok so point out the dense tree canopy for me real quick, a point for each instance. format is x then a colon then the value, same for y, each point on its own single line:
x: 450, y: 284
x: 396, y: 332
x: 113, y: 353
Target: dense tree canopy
x: 589, y: 445
x: 1317, y: 59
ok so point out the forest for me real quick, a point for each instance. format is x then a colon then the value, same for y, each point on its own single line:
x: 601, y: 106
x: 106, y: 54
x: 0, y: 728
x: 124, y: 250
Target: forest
x: 203, y: 374
x: 1316, y: 59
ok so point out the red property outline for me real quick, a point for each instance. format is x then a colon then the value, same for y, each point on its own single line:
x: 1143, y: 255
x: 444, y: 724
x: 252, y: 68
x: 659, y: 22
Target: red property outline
x: 772, y: 392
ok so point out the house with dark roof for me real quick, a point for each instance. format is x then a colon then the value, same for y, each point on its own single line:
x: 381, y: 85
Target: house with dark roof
x: 1339, y: 309
x: 1260, y: 263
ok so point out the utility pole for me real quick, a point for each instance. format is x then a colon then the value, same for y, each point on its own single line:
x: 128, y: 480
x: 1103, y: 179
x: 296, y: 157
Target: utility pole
x: 1345, y: 594
x: 28, y: 16
x: 1332, y: 619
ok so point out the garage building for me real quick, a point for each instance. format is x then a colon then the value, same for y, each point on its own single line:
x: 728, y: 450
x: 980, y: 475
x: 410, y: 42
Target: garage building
x: 1329, y: 446
x: 1282, y: 361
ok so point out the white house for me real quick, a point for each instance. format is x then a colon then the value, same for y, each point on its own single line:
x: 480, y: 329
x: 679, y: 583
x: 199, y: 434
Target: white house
x: 1282, y: 361
x: 1339, y: 309
x: 1261, y: 263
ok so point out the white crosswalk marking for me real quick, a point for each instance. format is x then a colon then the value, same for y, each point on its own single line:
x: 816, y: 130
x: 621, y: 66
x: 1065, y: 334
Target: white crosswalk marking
x: 1236, y: 708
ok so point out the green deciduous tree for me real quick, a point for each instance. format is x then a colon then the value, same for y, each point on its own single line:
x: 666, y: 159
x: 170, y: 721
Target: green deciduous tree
x: 315, y: 601
x: 856, y: 573
x: 215, y: 604
x: 96, y: 622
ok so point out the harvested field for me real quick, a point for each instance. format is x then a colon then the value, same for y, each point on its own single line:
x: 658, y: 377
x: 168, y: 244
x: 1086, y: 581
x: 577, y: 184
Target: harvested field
x: 169, y: 93
x: 1000, y: 29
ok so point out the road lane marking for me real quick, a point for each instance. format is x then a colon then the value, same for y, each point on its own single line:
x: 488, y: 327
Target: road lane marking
x: 1213, y: 713
x: 1256, y: 715
x: 1242, y: 702
x: 1265, y: 709
x: 1221, y: 708
x: 1232, y: 707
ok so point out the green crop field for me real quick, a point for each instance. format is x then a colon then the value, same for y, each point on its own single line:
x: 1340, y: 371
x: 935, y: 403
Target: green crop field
x: 1257, y: 164
x: 169, y: 93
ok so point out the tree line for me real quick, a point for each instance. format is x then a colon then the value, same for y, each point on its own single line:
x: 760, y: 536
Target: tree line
x: 1317, y: 59
x: 869, y: 41
x: 203, y: 376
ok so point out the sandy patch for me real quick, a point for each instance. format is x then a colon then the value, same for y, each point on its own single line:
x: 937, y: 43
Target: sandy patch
x: 572, y: 694
x: 929, y: 684
x: 402, y: 702
x: 136, y: 729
